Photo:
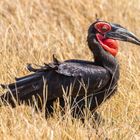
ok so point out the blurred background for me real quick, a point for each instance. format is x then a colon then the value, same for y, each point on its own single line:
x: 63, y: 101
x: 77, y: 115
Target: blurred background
x: 31, y: 31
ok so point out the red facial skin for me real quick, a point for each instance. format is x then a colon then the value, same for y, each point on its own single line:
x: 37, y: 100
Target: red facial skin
x: 102, y: 27
x: 108, y: 44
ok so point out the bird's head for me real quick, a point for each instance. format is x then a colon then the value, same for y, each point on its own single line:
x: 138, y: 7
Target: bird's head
x: 107, y: 35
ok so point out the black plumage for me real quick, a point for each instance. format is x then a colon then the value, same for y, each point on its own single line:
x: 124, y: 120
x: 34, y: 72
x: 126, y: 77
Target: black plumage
x: 97, y: 80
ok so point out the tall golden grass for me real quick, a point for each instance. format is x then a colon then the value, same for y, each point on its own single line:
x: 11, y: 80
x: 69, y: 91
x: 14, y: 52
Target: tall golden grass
x: 32, y: 30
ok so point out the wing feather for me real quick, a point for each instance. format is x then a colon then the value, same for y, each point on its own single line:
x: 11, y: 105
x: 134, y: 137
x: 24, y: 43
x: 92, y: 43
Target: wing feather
x: 81, y: 69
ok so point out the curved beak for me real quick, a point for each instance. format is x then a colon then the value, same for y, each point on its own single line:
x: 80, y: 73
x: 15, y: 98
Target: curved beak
x: 120, y: 33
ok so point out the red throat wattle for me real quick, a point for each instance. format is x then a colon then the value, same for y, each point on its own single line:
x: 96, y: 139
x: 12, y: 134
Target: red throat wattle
x: 109, y: 45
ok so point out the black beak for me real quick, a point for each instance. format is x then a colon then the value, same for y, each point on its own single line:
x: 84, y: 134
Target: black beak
x: 120, y: 33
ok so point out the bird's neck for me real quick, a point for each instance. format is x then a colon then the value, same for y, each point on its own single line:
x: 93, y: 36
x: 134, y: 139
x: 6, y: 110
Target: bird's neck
x: 102, y: 57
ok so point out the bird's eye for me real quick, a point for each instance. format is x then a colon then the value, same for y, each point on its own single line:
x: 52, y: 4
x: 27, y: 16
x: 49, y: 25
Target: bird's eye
x: 102, y: 27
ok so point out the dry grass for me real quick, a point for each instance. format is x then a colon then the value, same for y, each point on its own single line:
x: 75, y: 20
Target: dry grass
x: 32, y: 30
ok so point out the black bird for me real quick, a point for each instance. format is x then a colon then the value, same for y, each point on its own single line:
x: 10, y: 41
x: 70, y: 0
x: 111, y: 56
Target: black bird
x: 94, y: 80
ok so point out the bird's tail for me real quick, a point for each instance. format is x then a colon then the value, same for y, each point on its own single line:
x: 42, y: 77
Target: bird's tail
x: 25, y: 88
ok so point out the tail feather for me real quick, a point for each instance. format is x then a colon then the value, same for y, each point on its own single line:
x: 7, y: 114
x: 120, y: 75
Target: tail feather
x: 24, y: 88
x: 25, y: 80
x: 24, y: 77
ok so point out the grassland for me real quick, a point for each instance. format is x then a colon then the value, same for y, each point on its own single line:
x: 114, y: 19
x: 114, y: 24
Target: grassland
x: 32, y: 30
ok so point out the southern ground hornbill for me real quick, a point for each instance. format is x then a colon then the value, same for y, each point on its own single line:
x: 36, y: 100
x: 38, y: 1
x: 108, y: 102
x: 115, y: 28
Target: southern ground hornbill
x: 96, y: 81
